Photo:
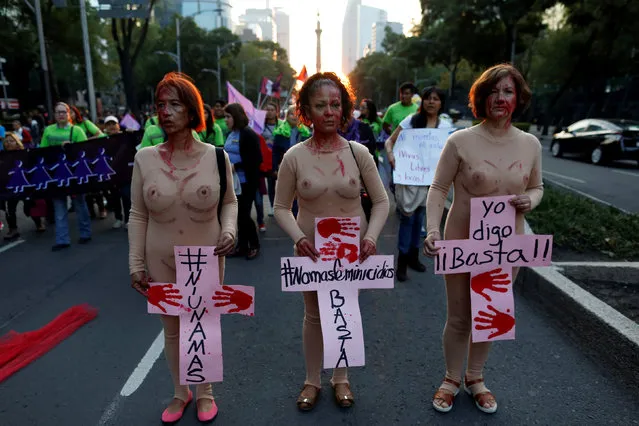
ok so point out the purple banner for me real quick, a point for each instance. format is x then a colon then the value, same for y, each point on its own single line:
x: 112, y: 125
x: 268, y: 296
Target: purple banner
x: 256, y: 117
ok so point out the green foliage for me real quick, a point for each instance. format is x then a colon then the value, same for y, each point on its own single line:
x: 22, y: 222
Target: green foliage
x: 583, y: 225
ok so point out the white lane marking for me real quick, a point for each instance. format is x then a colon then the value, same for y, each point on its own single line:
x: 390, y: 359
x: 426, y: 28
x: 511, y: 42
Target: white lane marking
x: 570, y: 188
x: 146, y: 363
x: 110, y: 411
x: 563, y: 176
x: 11, y: 245
x: 600, y: 264
x: 621, y: 172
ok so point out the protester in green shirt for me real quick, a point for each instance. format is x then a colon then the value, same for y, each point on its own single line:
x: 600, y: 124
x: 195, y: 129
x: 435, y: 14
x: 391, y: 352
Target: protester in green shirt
x: 368, y: 114
x: 402, y: 109
x: 218, y: 112
x: 61, y: 133
x: 89, y: 128
x: 152, y: 121
x: 213, y: 133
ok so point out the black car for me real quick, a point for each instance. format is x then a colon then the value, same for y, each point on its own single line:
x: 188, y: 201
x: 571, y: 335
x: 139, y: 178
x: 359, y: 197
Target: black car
x: 600, y: 140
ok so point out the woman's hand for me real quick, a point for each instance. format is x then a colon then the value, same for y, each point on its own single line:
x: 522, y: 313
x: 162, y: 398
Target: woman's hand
x: 521, y: 203
x: 140, y: 282
x: 429, y: 244
x: 225, y: 245
x: 391, y: 158
x: 305, y: 248
x: 368, y: 248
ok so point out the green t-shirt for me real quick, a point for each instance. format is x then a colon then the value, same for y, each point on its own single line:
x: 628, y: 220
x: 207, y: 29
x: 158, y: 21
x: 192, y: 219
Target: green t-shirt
x: 54, y: 135
x: 152, y: 121
x: 222, y: 123
x: 397, y: 112
x: 154, y: 135
x: 216, y: 138
x: 89, y: 128
x: 376, y: 126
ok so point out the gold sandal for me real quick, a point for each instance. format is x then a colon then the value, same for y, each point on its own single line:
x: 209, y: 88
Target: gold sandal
x: 445, y: 395
x: 307, y: 403
x: 481, y: 398
x: 343, y: 395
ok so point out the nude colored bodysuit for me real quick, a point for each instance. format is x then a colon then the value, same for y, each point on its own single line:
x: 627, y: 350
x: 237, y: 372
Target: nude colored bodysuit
x: 327, y: 184
x: 172, y: 207
x: 478, y: 165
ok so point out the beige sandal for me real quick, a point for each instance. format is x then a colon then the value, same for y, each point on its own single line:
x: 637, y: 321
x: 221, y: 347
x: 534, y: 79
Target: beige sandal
x: 343, y: 395
x: 444, y: 395
x: 306, y: 402
x: 481, y: 398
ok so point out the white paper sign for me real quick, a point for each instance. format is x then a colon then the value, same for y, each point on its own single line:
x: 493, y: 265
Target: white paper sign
x: 417, y: 152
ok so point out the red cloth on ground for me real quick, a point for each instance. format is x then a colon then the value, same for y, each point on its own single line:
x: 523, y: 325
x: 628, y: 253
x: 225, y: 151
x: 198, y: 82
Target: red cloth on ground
x: 18, y: 350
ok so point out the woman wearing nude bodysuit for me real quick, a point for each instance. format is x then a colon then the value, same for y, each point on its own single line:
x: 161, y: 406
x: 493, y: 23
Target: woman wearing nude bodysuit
x: 323, y: 173
x: 175, y: 192
x: 491, y: 159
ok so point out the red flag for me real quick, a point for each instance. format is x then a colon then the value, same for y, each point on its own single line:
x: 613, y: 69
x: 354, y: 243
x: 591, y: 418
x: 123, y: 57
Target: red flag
x: 276, y: 87
x: 303, y: 75
x: 265, y: 83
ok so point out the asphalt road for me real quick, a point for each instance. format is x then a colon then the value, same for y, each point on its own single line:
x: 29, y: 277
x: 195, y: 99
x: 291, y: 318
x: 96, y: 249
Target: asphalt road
x: 540, y: 378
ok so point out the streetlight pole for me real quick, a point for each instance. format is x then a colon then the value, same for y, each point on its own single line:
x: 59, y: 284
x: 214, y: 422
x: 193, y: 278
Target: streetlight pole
x: 4, y: 83
x: 219, y: 73
x: 43, y: 59
x: 87, y: 59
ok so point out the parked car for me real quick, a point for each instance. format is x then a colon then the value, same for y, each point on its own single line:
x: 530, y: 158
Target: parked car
x: 598, y: 139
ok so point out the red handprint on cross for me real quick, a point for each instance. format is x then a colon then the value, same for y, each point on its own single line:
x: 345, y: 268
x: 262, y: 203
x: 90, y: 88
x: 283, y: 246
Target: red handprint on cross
x: 163, y: 293
x: 337, y: 249
x: 231, y: 296
x: 337, y: 226
x: 500, y: 321
x: 493, y: 280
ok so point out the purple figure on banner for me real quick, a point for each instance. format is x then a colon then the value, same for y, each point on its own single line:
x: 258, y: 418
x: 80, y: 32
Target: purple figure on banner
x: 102, y: 167
x: 18, y: 180
x: 82, y: 170
x: 63, y: 174
x: 41, y: 177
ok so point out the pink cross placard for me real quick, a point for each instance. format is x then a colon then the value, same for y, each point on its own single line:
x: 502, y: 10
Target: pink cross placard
x: 489, y: 254
x: 199, y: 300
x: 337, y: 277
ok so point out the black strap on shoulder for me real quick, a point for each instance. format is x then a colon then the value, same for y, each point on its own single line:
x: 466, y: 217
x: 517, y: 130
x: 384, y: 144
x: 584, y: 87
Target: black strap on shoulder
x: 350, y: 145
x: 221, y: 168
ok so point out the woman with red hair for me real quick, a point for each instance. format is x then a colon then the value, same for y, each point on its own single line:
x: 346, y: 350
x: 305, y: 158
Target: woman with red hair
x: 175, y: 201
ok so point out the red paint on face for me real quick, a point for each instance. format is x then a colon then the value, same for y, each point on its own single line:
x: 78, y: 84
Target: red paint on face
x: 502, y: 102
x: 172, y: 113
x: 326, y: 109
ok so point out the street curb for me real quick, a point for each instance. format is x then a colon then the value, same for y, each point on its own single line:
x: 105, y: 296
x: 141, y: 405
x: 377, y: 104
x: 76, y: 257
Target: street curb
x: 601, y: 330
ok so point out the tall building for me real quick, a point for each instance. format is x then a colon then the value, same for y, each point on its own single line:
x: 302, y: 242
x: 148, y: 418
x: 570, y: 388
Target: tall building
x: 208, y: 14
x: 264, y: 18
x: 349, y: 36
x: 379, y: 32
x: 282, y: 21
x: 164, y: 11
x: 366, y: 17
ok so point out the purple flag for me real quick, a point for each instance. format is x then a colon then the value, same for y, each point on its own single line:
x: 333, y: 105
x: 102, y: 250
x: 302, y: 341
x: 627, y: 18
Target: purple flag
x: 256, y: 117
x: 130, y: 123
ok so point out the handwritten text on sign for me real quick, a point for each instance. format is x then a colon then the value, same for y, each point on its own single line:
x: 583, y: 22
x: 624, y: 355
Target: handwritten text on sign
x: 199, y: 300
x: 417, y: 152
x: 490, y: 253
x: 337, y: 278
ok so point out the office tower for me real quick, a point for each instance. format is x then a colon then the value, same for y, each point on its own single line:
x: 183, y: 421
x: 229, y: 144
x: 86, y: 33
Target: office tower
x: 164, y: 11
x: 379, y: 32
x: 264, y: 18
x: 208, y: 14
x: 366, y: 17
x: 282, y: 21
x: 349, y: 36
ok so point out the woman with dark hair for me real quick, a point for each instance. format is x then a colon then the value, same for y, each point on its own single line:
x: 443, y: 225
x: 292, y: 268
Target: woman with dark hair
x: 243, y: 147
x: 411, y: 199
x: 212, y: 134
x: 491, y: 159
x: 62, y: 133
x: 175, y: 197
x: 89, y: 128
x: 270, y: 124
x: 368, y: 114
x: 326, y: 173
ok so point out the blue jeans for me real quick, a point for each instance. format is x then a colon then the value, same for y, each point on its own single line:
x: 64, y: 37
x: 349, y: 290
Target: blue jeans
x: 62, y: 218
x: 410, y: 228
x: 259, y: 207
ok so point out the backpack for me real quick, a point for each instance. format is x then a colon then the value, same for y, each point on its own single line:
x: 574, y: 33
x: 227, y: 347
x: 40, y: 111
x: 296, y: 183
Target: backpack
x: 221, y: 168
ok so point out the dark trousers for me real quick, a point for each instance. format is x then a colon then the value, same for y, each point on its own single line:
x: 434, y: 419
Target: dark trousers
x: 11, y: 206
x: 247, y: 237
x: 270, y: 182
x: 120, y: 202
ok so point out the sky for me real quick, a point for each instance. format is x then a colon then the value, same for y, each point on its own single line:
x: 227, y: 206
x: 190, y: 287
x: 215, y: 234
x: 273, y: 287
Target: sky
x: 303, y: 20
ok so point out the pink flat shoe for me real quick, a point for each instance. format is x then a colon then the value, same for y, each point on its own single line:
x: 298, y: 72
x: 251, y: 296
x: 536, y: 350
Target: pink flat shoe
x: 170, y: 418
x: 208, y: 416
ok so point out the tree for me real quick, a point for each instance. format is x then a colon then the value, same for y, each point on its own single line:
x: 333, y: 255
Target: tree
x: 129, y: 39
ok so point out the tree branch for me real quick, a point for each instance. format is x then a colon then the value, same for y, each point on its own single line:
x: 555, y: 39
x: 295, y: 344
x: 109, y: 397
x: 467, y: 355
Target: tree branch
x: 142, y: 37
x: 114, y: 34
